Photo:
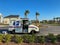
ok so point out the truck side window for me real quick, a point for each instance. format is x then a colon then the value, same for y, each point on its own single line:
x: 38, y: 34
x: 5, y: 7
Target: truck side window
x: 17, y: 23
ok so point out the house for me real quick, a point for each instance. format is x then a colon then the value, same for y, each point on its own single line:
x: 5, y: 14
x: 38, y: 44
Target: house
x: 2, y: 22
x: 10, y: 18
x: 1, y: 18
x: 6, y: 21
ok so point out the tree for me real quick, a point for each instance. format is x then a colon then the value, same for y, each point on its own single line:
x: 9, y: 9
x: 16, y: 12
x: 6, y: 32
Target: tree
x: 37, y: 14
x: 50, y: 21
x: 57, y: 19
x: 26, y: 13
x: 54, y: 20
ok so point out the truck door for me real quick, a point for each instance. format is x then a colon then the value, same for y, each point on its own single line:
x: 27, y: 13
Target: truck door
x: 17, y: 25
x: 25, y: 26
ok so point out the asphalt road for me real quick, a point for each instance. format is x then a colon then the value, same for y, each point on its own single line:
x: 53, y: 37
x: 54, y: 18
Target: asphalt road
x: 50, y: 29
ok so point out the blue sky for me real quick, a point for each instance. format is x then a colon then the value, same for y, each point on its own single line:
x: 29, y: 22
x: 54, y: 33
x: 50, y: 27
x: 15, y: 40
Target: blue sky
x: 47, y: 8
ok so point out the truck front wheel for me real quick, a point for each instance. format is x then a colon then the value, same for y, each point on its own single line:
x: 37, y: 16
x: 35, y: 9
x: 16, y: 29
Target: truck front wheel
x: 32, y: 32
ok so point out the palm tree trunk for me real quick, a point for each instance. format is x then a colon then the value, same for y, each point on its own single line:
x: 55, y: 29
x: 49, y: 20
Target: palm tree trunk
x: 25, y: 16
x: 36, y: 20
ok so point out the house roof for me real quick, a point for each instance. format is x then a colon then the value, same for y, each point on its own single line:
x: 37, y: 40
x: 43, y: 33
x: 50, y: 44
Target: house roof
x: 12, y: 16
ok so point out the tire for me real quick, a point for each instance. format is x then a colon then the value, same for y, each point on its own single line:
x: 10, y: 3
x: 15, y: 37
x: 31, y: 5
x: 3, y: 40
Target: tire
x: 33, y: 32
x: 13, y: 31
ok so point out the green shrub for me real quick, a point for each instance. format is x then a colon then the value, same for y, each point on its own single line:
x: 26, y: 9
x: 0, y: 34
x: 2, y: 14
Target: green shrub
x: 19, y: 39
x: 26, y: 38
x: 58, y: 37
x: 7, y: 38
x: 41, y: 39
x: 29, y: 38
x: 52, y: 38
x: 32, y: 38
x: 1, y: 37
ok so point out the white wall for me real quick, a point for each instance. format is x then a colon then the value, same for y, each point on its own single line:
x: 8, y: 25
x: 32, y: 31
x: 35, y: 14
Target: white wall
x: 1, y: 18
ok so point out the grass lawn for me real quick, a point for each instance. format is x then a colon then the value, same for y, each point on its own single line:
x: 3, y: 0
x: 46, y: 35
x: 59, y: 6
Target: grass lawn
x: 55, y: 24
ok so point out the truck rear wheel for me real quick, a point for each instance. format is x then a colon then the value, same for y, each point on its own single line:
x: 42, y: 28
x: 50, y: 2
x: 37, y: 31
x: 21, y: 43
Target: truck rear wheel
x: 13, y: 31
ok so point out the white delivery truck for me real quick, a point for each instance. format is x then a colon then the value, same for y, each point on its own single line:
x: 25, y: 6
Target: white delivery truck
x: 22, y: 26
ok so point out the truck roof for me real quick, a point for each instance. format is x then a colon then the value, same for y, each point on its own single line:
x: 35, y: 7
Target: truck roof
x: 24, y: 18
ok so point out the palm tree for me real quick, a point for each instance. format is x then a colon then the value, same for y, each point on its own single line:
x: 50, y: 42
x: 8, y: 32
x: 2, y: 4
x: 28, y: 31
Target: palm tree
x: 37, y: 14
x: 57, y: 19
x: 54, y: 19
x: 26, y: 13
